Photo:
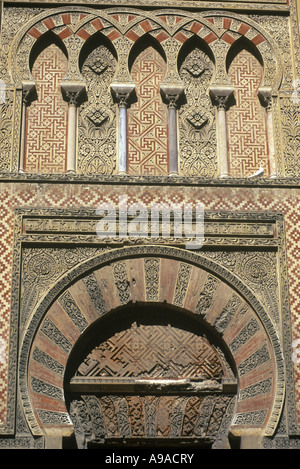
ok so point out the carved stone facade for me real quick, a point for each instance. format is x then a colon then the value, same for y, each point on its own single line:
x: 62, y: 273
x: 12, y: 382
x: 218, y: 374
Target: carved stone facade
x: 124, y: 340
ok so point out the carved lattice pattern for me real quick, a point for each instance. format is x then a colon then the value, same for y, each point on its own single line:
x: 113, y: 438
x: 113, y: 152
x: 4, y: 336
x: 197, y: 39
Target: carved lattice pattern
x: 46, y: 140
x: 148, y: 117
x: 156, y: 351
x: 246, y: 120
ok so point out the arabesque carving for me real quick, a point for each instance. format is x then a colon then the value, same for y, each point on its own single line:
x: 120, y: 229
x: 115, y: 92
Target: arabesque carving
x: 97, y: 115
x: 197, y: 125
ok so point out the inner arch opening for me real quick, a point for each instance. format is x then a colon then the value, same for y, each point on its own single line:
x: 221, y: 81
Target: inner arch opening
x: 149, y: 374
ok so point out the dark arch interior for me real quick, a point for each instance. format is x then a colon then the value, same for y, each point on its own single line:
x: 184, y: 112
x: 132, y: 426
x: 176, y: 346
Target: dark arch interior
x: 195, y: 42
x: 142, y: 44
x: 238, y: 46
x: 42, y: 43
x: 92, y: 43
x: 192, y: 44
x: 121, y: 320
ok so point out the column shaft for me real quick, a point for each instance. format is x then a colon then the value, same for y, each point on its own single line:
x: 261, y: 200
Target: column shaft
x: 122, y: 93
x: 270, y: 131
x: 222, y: 132
x: 122, y: 139
x: 73, y: 91
x: 23, y: 138
x: 28, y: 94
x: 222, y: 95
x: 173, y: 148
x: 71, y: 144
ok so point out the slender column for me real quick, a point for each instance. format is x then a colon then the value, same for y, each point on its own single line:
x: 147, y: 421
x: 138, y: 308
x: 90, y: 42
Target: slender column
x: 27, y: 94
x: 270, y: 130
x: 271, y: 146
x: 72, y: 143
x: 222, y: 95
x: 173, y: 138
x: 265, y: 94
x: 122, y: 169
x: 122, y: 93
x: 73, y: 92
x: 23, y: 136
x: 172, y: 95
x: 222, y: 133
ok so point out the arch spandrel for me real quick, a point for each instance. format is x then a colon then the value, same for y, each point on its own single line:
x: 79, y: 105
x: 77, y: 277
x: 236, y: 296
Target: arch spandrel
x: 187, y: 283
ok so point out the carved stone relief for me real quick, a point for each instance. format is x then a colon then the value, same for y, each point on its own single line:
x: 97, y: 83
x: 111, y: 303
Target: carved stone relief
x: 124, y: 286
x: 43, y: 266
x: 276, y: 27
x: 197, y: 418
x: 97, y: 120
x: 290, y: 126
x: 6, y: 129
x: 197, y: 132
x: 258, y: 269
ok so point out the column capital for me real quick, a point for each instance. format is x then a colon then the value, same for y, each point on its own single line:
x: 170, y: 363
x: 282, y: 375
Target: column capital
x: 221, y: 95
x: 265, y: 95
x: 28, y: 92
x: 172, y: 94
x: 73, y: 91
x: 222, y: 102
x: 122, y: 92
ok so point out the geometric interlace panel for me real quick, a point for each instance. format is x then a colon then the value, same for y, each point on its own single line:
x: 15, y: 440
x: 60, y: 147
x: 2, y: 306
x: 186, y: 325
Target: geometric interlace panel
x: 148, y: 117
x: 46, y: 140
x: 246, y: 120
x: 153, y: 351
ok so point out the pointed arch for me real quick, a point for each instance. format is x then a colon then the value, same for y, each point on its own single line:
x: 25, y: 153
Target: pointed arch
x: 141, y: 44
x: 92, y: 43
x: 238, y: 46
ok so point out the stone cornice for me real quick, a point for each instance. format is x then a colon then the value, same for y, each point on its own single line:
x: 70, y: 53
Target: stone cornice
x: 276, y: 6
x: 178, y: 181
